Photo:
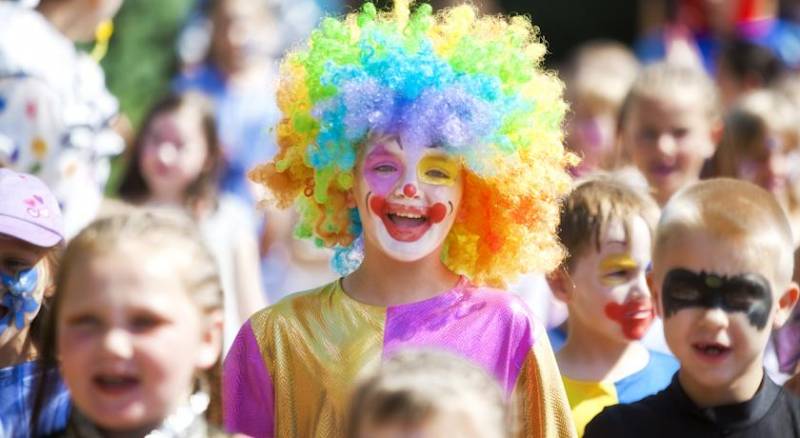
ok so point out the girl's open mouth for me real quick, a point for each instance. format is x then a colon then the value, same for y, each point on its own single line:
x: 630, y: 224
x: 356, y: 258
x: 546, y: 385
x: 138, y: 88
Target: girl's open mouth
x: 406, y: 223
x: 115, y: 385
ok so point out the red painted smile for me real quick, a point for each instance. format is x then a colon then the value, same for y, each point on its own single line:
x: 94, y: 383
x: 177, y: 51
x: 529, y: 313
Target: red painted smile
x: 403, y: 222
x: 634, y: 316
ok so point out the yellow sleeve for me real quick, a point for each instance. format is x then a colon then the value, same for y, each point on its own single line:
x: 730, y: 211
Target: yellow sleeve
x: 539, y: 400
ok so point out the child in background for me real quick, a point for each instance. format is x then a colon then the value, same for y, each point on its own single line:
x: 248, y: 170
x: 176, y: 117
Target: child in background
x: 760, y: 145
x: 606, y: 227
x: 429, y: 394
x: 56, y: 115
x: 427, y: 149
x: 31, y: 235
x: 175, y: 162
x: 722, y: 281
x: 597, y: 78
x: 668, y: 126
x: 138, y: 344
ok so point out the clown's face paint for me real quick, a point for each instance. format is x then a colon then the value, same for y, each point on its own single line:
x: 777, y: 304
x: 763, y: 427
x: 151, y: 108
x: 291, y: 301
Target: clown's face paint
x: 747, y: 293
x: 611, y: 296
x: 407, y: 197
x: 20, y: 296
x: 717, y: 302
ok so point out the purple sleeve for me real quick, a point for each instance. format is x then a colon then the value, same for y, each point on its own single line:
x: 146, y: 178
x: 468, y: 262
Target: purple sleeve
x: 248, y: 399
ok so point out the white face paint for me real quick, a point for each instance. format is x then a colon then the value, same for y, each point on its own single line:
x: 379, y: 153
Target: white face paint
x: 407, y: 197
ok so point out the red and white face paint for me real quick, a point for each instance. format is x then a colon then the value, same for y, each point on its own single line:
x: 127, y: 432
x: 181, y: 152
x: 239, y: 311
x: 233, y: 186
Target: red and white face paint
x: 407, y: 197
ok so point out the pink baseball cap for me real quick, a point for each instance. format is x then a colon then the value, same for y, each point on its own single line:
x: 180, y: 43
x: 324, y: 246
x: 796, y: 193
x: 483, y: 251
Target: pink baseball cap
x: 29, y: 210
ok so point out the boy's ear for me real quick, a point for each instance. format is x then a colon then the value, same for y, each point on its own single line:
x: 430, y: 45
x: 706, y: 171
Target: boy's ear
x: 655, y: 292
x: 560, y: 284
x: 786, y: 303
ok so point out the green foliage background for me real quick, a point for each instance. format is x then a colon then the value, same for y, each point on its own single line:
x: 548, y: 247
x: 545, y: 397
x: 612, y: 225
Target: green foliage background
x: 141, y: 57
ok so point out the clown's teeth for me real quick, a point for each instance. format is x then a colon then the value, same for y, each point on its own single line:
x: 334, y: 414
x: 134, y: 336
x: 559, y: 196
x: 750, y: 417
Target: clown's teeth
x: 408, y: 215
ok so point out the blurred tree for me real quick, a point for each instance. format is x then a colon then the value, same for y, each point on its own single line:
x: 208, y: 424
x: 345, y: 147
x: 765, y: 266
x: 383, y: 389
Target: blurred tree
x: 141, y: 55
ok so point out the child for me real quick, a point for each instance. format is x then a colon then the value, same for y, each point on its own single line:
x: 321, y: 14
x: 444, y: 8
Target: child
x: 135, y: 341
x: 598, y: 77
x: 429, y: 393
x: 175, y: 162
x: 760, y: 145
x: 668, y: 124
x: 31, y: 233
x: 721, y: 279
x: 56, y: 114
x: 606, y: 227
x: 399, y: 137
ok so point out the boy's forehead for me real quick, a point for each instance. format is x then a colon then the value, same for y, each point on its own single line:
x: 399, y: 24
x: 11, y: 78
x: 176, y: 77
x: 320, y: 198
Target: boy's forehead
x: 699, y: 251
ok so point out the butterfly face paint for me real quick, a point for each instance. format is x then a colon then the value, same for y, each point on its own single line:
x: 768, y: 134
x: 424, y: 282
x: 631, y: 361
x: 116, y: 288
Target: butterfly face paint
x: 408, y: 198
x: 750, y: 294
x: 18, y: 297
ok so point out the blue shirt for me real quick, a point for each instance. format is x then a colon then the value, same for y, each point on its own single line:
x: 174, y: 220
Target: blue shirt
x: 17, y: 396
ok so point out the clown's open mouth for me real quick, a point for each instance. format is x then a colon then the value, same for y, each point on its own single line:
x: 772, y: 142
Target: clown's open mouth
x: 406, y: 223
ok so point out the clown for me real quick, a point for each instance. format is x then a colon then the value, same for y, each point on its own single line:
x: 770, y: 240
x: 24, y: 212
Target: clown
x: 427, y: 150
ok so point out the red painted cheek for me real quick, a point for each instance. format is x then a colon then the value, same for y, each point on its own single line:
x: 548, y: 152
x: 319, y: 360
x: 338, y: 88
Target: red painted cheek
x: 632, y: 328
x: 377, y: 204
x: 437, y: 212
x: 409, y: 190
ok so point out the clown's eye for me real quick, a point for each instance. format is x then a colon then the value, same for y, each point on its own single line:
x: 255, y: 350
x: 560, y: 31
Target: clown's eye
x: 437, y: 173
x: 385, y: 168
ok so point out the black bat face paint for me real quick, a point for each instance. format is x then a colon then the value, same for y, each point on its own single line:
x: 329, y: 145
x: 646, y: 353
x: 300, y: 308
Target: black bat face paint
x: 748, y: 293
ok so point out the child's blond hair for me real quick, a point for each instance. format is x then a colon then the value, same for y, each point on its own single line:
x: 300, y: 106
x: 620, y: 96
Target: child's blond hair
x: 601, y: 72
x: 413, y: 387
x: 733, y: 211
x: 664, y: 80
x: 597, y: 200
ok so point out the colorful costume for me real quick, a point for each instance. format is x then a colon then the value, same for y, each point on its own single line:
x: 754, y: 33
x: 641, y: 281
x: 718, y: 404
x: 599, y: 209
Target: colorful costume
x: 587, y: 399
x: 293, y: 365
x: 472, y: 88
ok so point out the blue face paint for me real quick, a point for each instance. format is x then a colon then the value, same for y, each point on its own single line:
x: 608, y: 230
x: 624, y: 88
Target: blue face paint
x: 17, y: 293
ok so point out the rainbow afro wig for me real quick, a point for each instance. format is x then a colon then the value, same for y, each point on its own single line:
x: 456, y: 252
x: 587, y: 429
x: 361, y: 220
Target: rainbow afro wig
x: 469, y: 84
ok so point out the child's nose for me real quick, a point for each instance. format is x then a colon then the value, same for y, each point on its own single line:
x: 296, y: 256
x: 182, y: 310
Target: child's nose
x: 715, y: 318
x: 409, y: 186
x: 640, y: 288
x: 167, y: 153
x: 117, y: 343
x: 666, y: 144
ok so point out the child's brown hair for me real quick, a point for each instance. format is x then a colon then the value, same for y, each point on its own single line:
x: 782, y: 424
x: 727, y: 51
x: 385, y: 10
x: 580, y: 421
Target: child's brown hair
x: 597, y: 200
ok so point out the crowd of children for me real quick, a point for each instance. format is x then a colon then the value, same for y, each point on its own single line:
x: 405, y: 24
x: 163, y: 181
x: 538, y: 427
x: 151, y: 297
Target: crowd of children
x: 437, y: 160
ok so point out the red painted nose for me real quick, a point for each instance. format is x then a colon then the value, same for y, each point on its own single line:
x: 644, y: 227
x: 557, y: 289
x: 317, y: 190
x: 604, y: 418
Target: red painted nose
x: 409, y: 190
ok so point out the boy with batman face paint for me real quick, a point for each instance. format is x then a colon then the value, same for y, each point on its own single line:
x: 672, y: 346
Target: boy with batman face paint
x: 722, y: 281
